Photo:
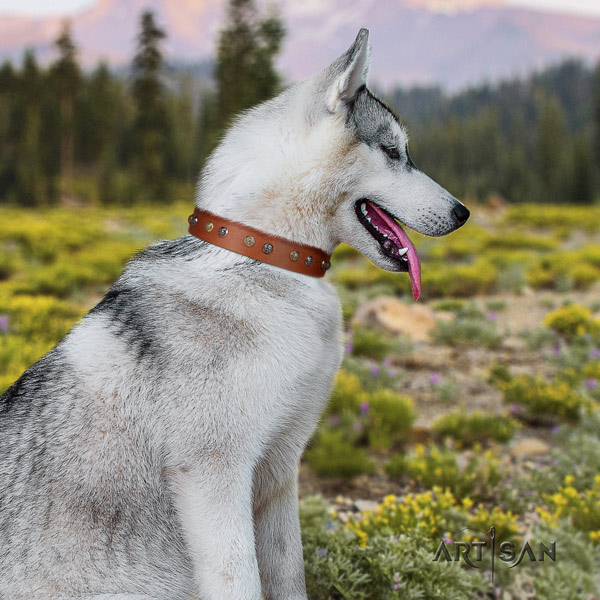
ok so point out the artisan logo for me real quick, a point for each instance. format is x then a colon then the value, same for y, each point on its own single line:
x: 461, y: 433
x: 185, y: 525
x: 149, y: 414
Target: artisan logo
x: 472, y: 552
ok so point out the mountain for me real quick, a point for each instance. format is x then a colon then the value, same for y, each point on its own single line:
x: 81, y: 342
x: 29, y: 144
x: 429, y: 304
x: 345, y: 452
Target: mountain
x: 414, y: 41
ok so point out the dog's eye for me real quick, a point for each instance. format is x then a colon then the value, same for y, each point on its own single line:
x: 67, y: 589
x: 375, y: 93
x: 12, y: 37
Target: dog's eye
x: 391, y: 152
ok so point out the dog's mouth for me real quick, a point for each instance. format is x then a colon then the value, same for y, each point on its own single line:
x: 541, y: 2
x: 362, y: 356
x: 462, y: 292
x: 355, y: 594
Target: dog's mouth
x: 394, y: 243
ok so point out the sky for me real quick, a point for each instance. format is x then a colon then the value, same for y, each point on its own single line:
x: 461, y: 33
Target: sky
x: 60, y: 7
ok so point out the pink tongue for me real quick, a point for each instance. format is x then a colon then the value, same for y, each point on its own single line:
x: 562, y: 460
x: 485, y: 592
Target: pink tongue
x: 387, y: 225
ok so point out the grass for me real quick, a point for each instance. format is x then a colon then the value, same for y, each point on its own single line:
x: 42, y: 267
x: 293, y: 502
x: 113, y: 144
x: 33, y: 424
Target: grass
x: 392, y: 419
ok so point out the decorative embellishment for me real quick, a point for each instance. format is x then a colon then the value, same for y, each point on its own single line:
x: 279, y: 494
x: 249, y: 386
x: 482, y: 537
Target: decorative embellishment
x: 240, y: 238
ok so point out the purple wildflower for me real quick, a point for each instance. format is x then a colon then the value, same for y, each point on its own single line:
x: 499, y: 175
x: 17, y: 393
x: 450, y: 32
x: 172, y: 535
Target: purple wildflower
x: 397, y: 582
x: 447, y: 539
x: 595, y: 353
x: 4, y: 323
x: 394, y: 539
x: 387, y: 363
x: 492, y: 316
x: 435, y: 378
x: 556, y: 350
x: 349, y: 347
x: 335, y: 421
x: 591, y: 384
x: 364, y: 408
x: 374, y: 370
x: 555, y: 429
x: 321, y: 552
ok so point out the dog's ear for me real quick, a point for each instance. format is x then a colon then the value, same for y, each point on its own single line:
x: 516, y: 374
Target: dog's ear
x: 341, y: 79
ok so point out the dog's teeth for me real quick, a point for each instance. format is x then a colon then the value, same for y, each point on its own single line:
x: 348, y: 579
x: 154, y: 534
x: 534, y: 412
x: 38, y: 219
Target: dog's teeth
x: 369, y: 219
x: 384, y: 235
x: 377, y: 228
x: 363, y: 208
x: 405, y: 259
x: 402, y: 251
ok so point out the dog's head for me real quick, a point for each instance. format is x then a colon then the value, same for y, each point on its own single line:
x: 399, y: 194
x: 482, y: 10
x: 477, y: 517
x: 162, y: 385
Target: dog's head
x: 327, y: 162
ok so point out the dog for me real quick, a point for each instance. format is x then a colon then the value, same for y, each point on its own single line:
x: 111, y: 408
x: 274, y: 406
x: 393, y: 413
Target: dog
x: 153, y: 453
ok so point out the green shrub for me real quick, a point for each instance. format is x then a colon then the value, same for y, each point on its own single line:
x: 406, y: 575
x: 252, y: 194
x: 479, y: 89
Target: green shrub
x: 371, y: 344
x: 331, y: 455
x: 388, y: 566
x: 581, y: 508
x: 455, y: 305
x: 460, y: 281
x: 583, y: 276
x: 475, y: 427
x: 347, y: 394
x: 390, y: 417
x: 467, y: 331
x: 38, y: 317
x: 432, y: 466
x: 541, y: 399
x: 572, y: 321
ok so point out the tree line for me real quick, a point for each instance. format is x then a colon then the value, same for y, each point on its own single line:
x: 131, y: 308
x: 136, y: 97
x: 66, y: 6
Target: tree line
x: 535, y: 139
x: 102, y: 136
x: 70, y: 135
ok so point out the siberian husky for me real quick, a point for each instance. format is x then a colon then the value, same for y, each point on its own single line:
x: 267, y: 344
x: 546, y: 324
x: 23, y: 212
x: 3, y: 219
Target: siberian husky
x: 153, y: 453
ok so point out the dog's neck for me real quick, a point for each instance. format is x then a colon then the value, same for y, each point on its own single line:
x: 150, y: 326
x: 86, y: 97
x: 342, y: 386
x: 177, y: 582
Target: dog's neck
x: 258, y: 245
x: 272, y: 174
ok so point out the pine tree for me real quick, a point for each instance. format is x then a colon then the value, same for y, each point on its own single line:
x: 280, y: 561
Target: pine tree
x: 102, y: 129
x: 245, y: 70
x: 151, y: 128
x: 8, y: 88
x: 31, y: 184
x: 550, y: 152
x: 596, y: 118
x: 582, y: 171
x: 67, y: 76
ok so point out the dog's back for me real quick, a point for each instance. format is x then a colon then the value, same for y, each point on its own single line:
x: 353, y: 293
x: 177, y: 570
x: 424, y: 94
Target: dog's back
x: 87, y: 473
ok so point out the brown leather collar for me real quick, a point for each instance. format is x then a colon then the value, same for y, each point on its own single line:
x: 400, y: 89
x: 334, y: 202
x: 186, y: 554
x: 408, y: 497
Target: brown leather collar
x: 256, y: 244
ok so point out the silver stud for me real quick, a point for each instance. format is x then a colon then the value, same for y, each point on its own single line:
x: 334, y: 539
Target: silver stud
x: 294, y: 255
x: 193, y: 220
x: 249, y: 241
x: 308, y: 261
x: 209, y: 226
x: 325, y: 265
x: 267, y: 248
x: 223, y: 231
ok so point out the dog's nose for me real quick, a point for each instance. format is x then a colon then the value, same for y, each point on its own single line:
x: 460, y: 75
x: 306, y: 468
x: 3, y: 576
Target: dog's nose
x: 461, y: 214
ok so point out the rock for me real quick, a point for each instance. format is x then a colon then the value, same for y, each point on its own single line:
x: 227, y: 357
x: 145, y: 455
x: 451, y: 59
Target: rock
x: 393, y: 315
x: 529, y: 447
x: 362, y: 505
x: 514, y: 343
x: 420, y: 434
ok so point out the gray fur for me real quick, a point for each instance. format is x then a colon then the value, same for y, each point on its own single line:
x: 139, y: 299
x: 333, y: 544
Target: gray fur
x: 89, y: 459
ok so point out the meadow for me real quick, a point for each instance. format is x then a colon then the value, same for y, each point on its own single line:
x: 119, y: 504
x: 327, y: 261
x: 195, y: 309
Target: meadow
x: 480, y: 409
